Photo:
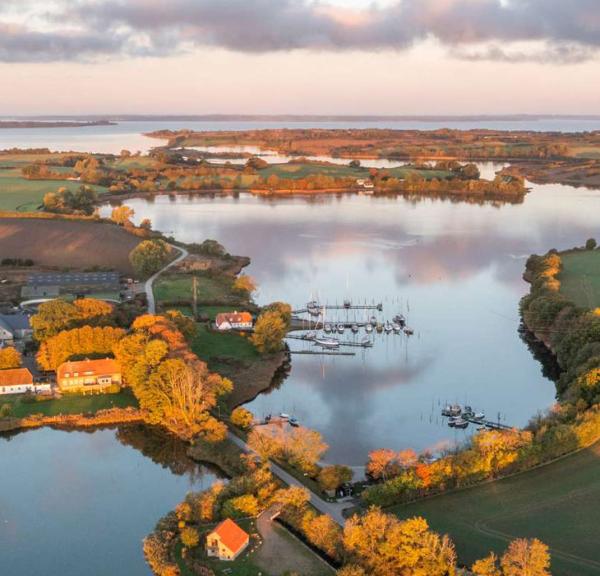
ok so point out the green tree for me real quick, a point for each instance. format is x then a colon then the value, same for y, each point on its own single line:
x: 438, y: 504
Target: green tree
x: 149, y: 256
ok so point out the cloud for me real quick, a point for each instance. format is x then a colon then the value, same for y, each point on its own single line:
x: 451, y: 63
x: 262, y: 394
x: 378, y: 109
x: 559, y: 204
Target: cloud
x: 471, y: 29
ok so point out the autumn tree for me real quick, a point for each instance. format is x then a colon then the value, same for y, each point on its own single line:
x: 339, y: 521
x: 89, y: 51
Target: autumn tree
x: 241, y: 506
x: 244, y: 285
x: 323, y: 532
x: 332, y: 477
x: 381, y: 463
x: 382, y: 544
x: 57, y: 315
x: 83, y: 342
x: 122, y: 214
x: 487, y: 566
x: 269, y: 332
x: 242, y: 418
x: 149, y: 256
x: 295, y: 497
x: 283, y: 309
x: 190, y: 537
x: 526, y: 558
x: 10, y: 358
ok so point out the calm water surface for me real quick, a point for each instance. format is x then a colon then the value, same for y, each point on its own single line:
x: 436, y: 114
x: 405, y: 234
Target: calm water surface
x: 453, y: 268
x: 74, y: 503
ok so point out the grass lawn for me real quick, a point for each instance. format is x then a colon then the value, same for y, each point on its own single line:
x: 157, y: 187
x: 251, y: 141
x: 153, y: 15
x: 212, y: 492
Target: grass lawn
x: 296, y: 170
x: 70, y: 404
x: 208, y: 344
x: 580, y: 277
x: 558, y: 503
x: 17, y: 193
x: 179, y: 287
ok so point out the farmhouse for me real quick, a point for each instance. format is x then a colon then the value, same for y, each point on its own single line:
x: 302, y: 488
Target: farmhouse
x: 14, y: 327
x: 227, y: 541
x: 88, y: 375
x: 234, y: 321
x: 19, y: 381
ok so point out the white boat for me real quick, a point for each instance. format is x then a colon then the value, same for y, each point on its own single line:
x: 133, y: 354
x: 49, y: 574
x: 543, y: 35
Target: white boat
x: 341, y: 328
x: 284, y: 416
x: 399, y: 319
x: 373, y: 321
x: 310, y: 335
x: 327, y: 328
x: 347, y: 303
x: 369, y: 328
x: 397, y: 328
x: 388, y: 328
x: 354, y: 328
x: 409, y: 331
x: 327, y: 342
x: 460, y: 423
x: 294, y: 422
x: 366, y: 342
x: 452, y: 410
x: 479, y: 416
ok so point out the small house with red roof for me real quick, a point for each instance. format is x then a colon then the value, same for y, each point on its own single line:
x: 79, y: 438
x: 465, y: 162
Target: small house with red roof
x: 88, y: 375
x: 227, y: 541
x: 234, y: 321
x: 20, y: 381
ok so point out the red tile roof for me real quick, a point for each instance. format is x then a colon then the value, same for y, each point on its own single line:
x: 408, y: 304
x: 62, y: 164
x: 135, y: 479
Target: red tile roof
x: 102, y: 367
x: 15, y: 377
x: 233, y: 317
x: 231, y: 535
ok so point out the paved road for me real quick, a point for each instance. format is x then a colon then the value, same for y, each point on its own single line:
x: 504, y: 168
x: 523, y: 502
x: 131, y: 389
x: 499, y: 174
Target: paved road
x: 333, y: 509
x: 149, y: 283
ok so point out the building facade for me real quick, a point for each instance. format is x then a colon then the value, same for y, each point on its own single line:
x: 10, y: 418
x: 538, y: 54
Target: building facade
x: 234, y: 321
x: 227, y: 541
x: 88, y: 375
x: 20, y: 381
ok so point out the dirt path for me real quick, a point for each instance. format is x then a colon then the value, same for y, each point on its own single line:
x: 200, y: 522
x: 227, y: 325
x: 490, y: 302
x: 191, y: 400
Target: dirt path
x: 150, y: 282
x: 281, y: 552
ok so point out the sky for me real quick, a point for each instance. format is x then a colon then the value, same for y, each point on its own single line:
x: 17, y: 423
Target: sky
x: 398, y: 57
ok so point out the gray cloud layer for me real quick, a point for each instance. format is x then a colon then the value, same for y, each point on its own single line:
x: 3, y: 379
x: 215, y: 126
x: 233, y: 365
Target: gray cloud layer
x: 471, y: 29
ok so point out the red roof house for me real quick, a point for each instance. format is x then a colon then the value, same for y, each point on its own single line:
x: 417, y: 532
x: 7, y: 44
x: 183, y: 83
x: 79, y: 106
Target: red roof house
x: 227, y: 541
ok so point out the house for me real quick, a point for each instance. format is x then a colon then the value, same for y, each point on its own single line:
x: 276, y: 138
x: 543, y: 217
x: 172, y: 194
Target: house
x: 234, y: 321
x: 227, y: 541
x: 19, y: 381
x: 88, y: 375
x: 14, y: 327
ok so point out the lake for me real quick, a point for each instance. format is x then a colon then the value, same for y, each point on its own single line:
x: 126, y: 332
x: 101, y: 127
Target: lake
x: 129, y: 134
x: 74, y: 503
x: 453, y: 268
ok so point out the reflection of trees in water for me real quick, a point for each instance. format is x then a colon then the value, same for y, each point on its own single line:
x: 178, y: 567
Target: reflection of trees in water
x: 550, y: 366
x: 164, y: 449
x: 279, y: 377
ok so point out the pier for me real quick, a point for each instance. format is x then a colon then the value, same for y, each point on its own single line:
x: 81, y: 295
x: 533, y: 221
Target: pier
x: 318, y: 308
x: 322, y: 352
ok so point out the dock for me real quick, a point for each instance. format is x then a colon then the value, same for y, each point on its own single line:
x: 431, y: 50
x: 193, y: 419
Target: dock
x: 322, y: 352
x: 491, y: 424
x: 348, y: 343
x: 320, y: 307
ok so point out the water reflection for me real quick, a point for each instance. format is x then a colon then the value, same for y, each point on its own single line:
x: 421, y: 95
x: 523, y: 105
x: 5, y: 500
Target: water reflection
x: 457, y: 266
x: 75, y: 503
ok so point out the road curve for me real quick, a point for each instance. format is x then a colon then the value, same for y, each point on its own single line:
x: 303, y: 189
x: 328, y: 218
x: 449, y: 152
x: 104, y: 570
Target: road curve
x: 333, y: 509
x: 150, y: 282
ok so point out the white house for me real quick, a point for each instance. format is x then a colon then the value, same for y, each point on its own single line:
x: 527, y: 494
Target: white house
x: 15, y: 327
x: 227, y: 541
x: 19, y: 381
x: 234, y: 321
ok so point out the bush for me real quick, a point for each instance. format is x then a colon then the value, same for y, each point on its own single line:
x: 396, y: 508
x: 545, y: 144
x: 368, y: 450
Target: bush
x: 242, y: 418
x: 590, y: 244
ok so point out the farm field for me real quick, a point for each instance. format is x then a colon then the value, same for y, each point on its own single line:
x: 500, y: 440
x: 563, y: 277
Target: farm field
x: 67, y: 243
x: 211, y: 345
x: 170, y: 288
x: 558, y: 504
x: 580, y: 277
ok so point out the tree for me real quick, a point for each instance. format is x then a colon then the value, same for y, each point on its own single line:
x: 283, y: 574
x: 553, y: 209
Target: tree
x: 122, y: 214
x: 241, y: 507
x: 382, y: 544
x: 332, y: 477
x: 283, y: 309
x: 149, y: 256
x: 380, y: 464
x: 190, y: 537
x: 590, y: 244
x: 351, y: 570
x: 242, y: 418
x: 354, y: 163
x: 322, y: 531
x: 184, y: 324
x: 10, y: 358
x: 52, y: 317
x: 487, y: 566
x: 526, y: 558
x: 146, y: 224
x: 269, y: 332
x: 244, y: 285
x: 294, y: 497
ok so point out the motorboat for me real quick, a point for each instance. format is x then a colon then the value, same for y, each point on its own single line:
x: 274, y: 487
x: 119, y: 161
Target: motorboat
x: 294, y: 422
x: 369, y: 328
x: 327, y: 342
x: 399, y: 319
x: 347, y: 303
x: 366, y: 342
x: 461, y: 423
x: 479, y: 416
x: 409, y: 331
x: 373, y: 321
x: 341, y: 328
x: 388, y: 328
x: 451, y: 410
x: 284, y: 416
x: 354, y: 328
x: 397, y: 328
x: 327, y: 328
x: 310, y: 335
x: 379, y: 328
x: 468, y: 411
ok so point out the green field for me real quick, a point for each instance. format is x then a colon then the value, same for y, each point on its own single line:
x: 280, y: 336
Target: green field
x: 558, y: 503
x: 179, y: 287
x: 18, y: 193
x: 209, y: 345
x: 70, y: 404
x: 580, y: 277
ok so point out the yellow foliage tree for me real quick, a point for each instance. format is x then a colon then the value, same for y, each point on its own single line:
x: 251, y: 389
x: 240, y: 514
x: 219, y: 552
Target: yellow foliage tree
x: 10, y: 358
